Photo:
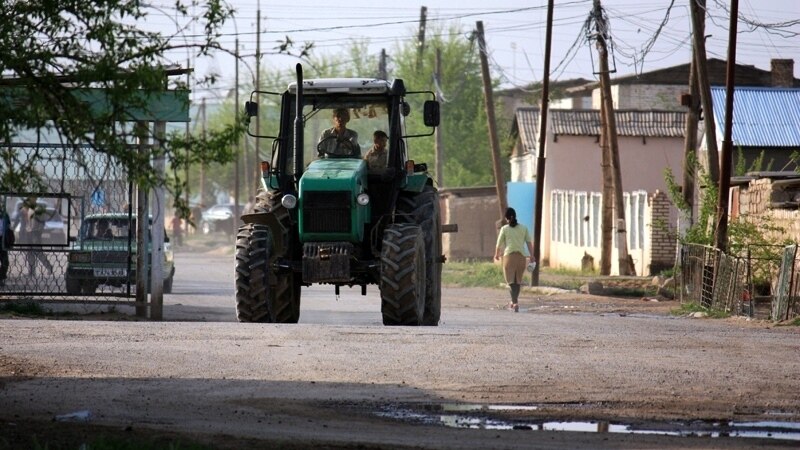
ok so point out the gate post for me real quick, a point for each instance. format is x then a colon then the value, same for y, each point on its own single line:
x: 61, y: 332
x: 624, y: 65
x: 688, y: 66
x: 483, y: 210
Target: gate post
x: 141, y: 230
x: 157, y: 253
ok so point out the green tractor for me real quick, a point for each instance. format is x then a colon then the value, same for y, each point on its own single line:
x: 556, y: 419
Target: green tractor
x: 325, y: 215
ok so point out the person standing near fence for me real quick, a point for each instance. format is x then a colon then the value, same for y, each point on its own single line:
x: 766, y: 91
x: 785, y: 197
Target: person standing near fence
x: 6, y: 241
x: 511, y: 242
x: 36, y: 221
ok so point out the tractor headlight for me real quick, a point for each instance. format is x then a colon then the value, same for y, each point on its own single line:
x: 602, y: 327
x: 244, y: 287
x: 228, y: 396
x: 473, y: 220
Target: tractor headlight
x: 289, y: 201
x: 363, y: 199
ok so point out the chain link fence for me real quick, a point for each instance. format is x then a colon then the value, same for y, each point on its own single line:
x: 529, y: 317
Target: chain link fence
x: 66, y: 186
x: 753, y: 284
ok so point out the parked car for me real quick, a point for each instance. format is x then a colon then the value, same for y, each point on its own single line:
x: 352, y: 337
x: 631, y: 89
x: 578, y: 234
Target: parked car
x: 102, y: 255
x: 218, y: 218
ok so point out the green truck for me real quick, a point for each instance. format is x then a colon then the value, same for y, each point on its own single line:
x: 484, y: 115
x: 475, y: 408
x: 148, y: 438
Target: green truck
x: 105, y: 254
x: 326, y: 216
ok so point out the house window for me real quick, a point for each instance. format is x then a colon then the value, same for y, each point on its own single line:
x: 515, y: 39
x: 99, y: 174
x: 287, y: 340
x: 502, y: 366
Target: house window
x: 595, y: 218
x: 642, y: 202
x: 582, y: 224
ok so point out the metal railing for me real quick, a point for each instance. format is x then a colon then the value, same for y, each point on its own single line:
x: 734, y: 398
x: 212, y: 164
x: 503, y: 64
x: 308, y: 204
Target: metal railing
x: 738, y: 284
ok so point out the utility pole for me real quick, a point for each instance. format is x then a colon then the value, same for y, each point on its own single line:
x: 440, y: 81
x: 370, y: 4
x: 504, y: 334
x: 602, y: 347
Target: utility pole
x: 188, y: 151
x: 156, y: 252
x: 142, y: 234
x: 236, y: 211
x: 203, y: 165
x: 488, y: 99
x: 255, y: 169
x: 439, y: 152
x: 698, y: 11
x: 607, y: 214
x: 613, y: 146
x: 721, y: 237
x: 540, y: 160
x: 423, y: 17
x: 690, y: 148
x: 382, y: 75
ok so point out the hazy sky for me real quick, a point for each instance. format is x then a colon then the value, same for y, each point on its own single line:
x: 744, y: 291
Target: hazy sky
x: 515, y: 32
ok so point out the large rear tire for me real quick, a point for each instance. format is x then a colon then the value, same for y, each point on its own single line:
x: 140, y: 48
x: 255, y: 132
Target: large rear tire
x: 423, y: 209
x: 402, y: 283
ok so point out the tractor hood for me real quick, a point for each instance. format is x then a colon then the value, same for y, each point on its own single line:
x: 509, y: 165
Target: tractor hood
x: 328, y: 192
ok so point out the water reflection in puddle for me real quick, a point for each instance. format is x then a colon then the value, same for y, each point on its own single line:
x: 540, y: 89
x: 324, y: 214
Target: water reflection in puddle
x: 477, y: 416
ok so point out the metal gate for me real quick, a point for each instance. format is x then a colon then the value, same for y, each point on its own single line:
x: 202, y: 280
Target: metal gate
x: 68, y: 189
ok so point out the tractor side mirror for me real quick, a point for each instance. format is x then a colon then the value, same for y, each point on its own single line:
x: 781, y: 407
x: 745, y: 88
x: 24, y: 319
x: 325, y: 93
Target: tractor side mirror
x: 431, y: 113
x: 251, y: 109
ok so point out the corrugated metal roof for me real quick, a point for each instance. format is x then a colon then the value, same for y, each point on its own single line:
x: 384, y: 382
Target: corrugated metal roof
x: 527, y: 125
x: 762, y: 117
x: 587, y: 123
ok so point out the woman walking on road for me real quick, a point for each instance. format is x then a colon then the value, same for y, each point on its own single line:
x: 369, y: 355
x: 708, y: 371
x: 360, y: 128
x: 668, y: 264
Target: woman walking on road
x: 514, y: 237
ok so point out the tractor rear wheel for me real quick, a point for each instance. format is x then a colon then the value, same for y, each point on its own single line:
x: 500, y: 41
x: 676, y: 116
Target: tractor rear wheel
x: 402, y: 282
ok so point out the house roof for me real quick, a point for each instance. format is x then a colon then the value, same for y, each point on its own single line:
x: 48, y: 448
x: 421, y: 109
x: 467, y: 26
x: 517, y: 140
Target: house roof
x: 762, y: 117
x: 746, y: 75
x: 587, y: 123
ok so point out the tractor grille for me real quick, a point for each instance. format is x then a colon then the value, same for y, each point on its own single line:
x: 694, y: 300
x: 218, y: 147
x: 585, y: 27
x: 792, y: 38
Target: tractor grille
x: 326, y: 212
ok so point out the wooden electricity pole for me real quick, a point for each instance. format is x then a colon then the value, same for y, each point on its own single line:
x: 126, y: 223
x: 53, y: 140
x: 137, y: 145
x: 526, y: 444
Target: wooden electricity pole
x: 721, y: 236
x: 540, y: 159
x: 423, y: 17
x: 255, y: 169
x: 439, y: 154
x: 607, y: 214
x: 203, y: 165
x: 488, y: 99
x: 613, y: 145
x: 698, y: 12
x: 690, y: 148
x: 236, y: 182
x: 382, y: 75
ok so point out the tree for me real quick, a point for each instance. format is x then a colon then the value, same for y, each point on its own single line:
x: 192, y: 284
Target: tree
x: 467, y: 156
x: 50, y: 52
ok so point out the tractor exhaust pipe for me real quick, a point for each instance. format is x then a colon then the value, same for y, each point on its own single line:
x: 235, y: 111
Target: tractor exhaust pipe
x: 298, y: 123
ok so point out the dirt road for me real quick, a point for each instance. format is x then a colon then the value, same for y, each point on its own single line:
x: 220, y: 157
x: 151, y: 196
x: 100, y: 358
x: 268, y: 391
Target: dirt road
x: 340, y: 379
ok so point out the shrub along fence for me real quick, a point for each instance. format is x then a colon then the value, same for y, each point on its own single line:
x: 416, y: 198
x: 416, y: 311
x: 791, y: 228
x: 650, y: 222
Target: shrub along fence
x: 739, y: 283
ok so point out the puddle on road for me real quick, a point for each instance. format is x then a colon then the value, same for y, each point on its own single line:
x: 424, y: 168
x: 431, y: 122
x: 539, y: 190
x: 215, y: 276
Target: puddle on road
x: 478, y: 416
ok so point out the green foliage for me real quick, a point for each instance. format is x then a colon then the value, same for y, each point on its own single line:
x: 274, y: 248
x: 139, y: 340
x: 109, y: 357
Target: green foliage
x: 699, y: 232
x: 467, y: 154
x: 740, y: 168
x: 472, y: 274
x: 50, y: 49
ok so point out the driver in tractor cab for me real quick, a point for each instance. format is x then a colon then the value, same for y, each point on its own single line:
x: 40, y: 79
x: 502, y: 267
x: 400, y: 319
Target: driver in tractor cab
x: 339, y: 140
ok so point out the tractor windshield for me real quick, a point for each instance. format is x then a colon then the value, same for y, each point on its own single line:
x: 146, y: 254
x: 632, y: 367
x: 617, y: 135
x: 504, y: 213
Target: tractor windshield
x: 346, y: 129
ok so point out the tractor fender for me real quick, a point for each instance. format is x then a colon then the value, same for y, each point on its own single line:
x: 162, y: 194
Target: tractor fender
x: 278, y: 222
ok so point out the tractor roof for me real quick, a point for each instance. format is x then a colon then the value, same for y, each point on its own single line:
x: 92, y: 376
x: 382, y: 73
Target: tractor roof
x: 343, y: 85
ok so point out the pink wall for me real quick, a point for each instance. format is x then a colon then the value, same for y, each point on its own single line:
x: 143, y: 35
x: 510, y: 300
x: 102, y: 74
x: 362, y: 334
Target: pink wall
x: 573, y: 163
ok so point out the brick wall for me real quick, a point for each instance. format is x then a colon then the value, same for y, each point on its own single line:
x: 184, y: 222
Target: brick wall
x: 754, y: 201
x: 662, y: 235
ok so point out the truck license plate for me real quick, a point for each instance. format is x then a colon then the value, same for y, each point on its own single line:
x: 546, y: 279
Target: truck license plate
x: 110, y: 272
